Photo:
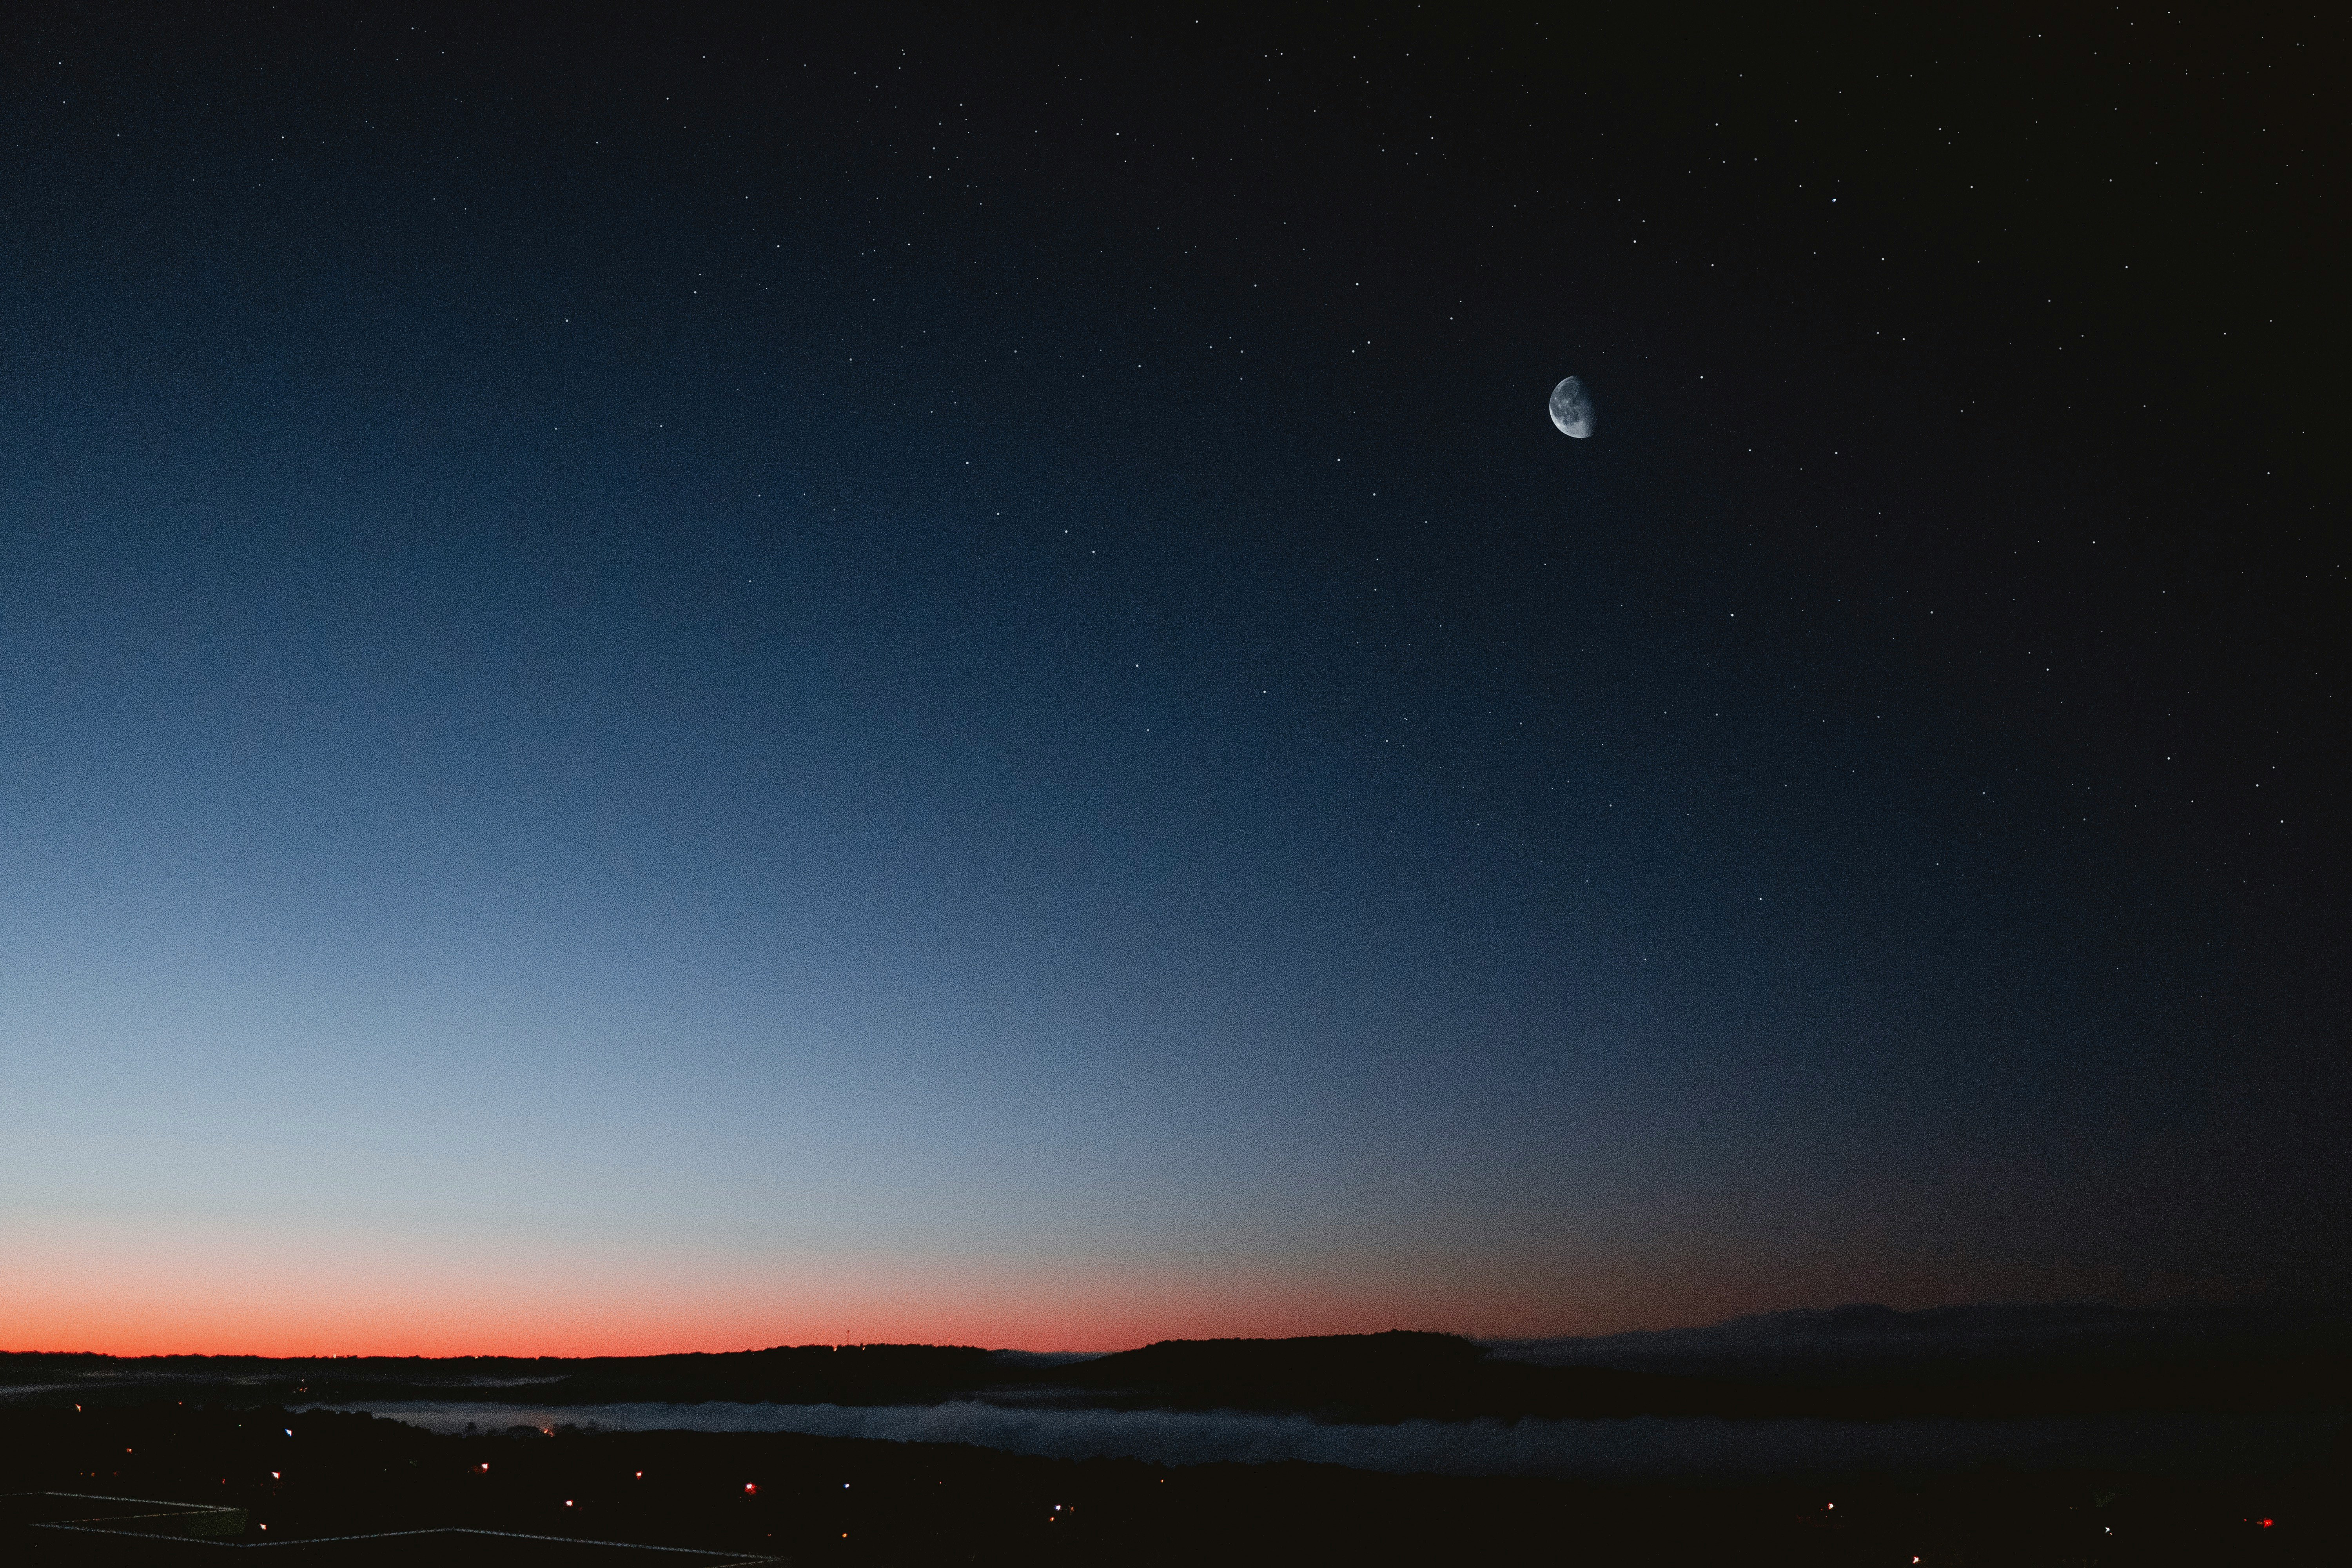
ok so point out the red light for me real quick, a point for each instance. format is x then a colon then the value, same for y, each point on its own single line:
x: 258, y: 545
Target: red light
x: 750, y: 1490
x: 2266, y: 1524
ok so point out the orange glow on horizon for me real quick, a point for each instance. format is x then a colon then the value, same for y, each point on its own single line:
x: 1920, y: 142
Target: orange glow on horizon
x: 322, y: 1324
x: 139, y: 1287
x: 135, y: 1289
x: 334, y: 1330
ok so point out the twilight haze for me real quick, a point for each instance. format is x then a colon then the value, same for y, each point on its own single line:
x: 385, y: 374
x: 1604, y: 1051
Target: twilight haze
x: 675, y: 684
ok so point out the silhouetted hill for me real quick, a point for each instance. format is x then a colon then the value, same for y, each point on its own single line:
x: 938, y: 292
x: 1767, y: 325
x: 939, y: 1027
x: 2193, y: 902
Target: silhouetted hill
x: 1370, y: 1377
x: 1398, y: 1375
x: 1309, y: 1365
x: 1854, y: 1363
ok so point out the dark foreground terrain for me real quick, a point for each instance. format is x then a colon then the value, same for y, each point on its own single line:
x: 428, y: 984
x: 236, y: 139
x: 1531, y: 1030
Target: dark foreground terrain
x: 310, y: 1475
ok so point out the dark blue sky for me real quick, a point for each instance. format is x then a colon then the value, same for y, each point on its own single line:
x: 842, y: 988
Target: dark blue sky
x: 681, y: 683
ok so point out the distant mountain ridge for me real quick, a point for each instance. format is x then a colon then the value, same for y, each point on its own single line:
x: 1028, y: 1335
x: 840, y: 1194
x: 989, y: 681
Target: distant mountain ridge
x: 1866, y: 1339
x: 1863, y: 1362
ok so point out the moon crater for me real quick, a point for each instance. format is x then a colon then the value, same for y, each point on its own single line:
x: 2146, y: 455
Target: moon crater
x: 1571, y: 408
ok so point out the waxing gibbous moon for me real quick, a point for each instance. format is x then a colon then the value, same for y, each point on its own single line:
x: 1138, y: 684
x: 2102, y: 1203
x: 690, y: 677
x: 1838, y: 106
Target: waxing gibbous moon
x: 1571, y: 408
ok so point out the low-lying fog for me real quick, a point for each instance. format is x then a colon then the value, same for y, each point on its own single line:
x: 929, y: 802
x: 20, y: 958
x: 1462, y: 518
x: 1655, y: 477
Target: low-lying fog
x: 1639, y: 1446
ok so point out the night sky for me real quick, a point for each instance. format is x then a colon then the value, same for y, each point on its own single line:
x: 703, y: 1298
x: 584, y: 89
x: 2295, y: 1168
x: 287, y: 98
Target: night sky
x: 670, y: 682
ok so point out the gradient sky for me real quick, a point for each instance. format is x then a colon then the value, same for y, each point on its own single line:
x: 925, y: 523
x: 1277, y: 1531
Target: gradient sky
x: 672, y: 685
